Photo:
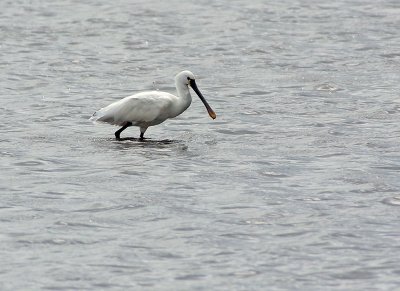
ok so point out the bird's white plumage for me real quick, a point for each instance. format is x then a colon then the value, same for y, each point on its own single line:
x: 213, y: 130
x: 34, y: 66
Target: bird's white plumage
x: 150, y: 108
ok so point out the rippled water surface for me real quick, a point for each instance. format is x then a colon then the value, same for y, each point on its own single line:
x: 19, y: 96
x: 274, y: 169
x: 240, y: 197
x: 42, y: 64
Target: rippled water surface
x: 295, y: 185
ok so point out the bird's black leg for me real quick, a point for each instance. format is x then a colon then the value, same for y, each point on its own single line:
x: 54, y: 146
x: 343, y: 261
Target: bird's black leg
x: 142, y: 136
x: 118, y: 132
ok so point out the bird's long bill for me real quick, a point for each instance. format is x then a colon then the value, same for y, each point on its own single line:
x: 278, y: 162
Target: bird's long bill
x: 209, y: 109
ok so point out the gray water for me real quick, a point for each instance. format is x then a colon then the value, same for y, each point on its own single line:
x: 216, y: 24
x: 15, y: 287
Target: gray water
x: 295, y: 185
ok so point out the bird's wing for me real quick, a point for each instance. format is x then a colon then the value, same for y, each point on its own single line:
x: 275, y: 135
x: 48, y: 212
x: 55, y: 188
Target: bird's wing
x: 139, y: 108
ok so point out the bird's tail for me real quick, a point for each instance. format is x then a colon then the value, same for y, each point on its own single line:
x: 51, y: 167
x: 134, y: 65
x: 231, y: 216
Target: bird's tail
x: 95, y: 117
x: 104, y: 115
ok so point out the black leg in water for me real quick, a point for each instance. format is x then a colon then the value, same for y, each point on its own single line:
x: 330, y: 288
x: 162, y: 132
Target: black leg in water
x: 142, y: 136
x: 118, y: 132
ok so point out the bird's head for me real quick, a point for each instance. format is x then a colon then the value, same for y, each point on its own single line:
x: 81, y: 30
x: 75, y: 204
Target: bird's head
x: 184, y: 77
x: 187, y: 78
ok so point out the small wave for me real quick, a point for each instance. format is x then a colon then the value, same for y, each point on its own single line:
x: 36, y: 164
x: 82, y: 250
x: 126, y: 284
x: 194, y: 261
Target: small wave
x: 273, y: 174
x: 237, y: 132
x: 392, y: 201
x: 190, y: 277
x: 329, y: 87
x: 29, y: 163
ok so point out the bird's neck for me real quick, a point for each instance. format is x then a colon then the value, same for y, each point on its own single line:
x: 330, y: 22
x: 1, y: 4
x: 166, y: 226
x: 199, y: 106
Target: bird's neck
x: 184, y: 96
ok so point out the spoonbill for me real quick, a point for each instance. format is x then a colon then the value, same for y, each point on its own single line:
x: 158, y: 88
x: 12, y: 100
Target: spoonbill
x: 152, y: 107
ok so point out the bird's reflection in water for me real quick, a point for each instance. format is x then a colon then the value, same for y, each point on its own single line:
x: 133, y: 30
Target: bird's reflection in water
x: 147, y: 141
x: 132, y: 142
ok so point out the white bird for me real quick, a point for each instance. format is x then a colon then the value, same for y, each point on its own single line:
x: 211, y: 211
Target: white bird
x: 151, y: 108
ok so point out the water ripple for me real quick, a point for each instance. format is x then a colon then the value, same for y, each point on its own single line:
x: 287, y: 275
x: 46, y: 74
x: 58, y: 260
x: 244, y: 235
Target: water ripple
x: 392, y: 201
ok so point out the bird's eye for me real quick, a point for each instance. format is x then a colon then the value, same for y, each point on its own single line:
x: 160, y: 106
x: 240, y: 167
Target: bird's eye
x: 188, y: 78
